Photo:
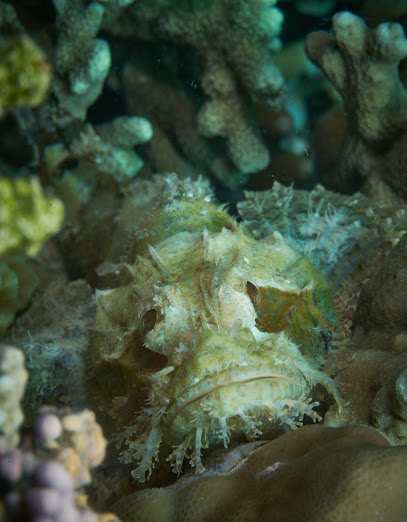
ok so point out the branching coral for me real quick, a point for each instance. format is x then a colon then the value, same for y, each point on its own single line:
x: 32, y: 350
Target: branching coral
x: 81, y: 60
x: 234, y: 40
x: 91, y: 177
x: 363, y: 63
x: 25, y: 73
x: 176, y: 144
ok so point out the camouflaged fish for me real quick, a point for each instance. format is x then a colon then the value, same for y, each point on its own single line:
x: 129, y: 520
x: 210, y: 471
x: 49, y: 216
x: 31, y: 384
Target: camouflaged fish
x: 219, y: 332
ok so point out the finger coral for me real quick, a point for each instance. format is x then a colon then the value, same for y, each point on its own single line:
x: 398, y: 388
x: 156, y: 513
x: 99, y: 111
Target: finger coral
x: 81, y: 60
x: 234, y: 41
x: 363, y: 63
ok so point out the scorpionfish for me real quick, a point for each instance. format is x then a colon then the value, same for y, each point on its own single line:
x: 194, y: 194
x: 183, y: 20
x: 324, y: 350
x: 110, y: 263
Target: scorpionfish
x: 213, y: 335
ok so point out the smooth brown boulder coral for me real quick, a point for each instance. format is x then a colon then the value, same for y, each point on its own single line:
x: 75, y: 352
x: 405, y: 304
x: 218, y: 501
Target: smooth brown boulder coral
x: 314, y: 473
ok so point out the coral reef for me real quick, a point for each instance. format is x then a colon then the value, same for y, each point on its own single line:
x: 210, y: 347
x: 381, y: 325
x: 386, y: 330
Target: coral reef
x: 188, y: 316
x: 363, y: 63
x: 315, y: 473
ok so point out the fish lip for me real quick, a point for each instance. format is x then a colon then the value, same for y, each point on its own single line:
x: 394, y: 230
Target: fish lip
x: 208, y: 385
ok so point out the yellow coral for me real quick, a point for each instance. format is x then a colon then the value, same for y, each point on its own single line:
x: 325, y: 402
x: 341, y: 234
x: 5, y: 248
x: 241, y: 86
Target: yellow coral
x: 25, y: 75
x: 28, y: 216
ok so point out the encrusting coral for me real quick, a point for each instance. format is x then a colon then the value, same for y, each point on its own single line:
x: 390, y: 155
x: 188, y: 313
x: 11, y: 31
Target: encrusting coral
x: 314, y: 473
x: 363, y: 63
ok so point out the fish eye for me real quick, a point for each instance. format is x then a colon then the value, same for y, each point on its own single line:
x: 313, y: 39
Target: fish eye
x: 149, y: 320
x: 252, y: 292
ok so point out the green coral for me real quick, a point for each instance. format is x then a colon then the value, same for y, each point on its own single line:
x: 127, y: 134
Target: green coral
x: 25, y: 74
x: 28, y: 217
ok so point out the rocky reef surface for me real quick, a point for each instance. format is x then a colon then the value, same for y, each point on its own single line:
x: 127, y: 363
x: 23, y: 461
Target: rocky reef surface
x: 203, y: 245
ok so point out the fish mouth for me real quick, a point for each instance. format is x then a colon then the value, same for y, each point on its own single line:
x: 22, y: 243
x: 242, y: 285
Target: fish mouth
x: 232, y: 377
